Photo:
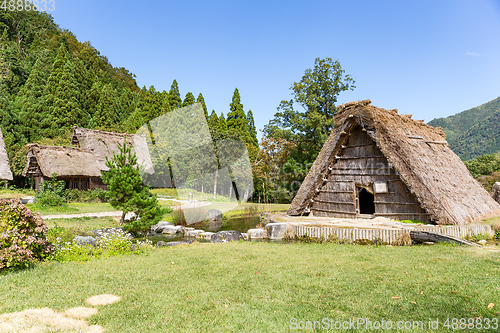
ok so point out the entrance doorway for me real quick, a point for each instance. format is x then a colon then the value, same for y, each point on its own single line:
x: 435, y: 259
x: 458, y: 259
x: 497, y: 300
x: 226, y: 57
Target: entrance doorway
x: 366, y: 201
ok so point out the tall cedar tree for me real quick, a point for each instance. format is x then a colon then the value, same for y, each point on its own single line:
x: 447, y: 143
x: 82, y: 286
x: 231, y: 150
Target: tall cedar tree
x: 174, y: 96
x: 251, y: 129
x: 188, y: 99
x: 31, y: 102
x: 108, y: 110
x: 201, y: 100
x: 236, y: 119
x: 213, y: 121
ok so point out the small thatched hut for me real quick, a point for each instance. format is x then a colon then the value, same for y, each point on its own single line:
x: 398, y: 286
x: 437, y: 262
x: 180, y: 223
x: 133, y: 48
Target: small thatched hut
x: 380, y: 163
x: 77, y: 167
x: 103, y: 144
x: 5, y: 173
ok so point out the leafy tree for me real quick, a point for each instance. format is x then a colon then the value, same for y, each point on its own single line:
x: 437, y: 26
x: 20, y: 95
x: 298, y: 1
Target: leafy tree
x: 484, y: 165
x: 316, y: 93
x: 126, y: 192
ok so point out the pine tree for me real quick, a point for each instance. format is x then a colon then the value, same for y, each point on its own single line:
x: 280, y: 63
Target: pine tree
x: 252, y: 130
x: 174, y: 97
x: 237, y: 120
x: 188, y: 100
x: 152, y: 105
x: 201, y: 100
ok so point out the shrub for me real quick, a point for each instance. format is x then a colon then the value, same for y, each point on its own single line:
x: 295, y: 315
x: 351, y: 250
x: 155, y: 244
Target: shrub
x: 52, y: 192
x: 22, y: 235
x: 107, y: 244
x: 97, y: 195
x: 403, y: 240
x: 496, y: 230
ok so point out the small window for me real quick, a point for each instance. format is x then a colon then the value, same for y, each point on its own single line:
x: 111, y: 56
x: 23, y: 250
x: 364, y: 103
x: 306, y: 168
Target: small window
x: 380, y: 187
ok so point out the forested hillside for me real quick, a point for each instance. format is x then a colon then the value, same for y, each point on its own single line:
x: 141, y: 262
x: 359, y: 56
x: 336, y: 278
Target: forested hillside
x: 50, y: 82
x: 473, y: 132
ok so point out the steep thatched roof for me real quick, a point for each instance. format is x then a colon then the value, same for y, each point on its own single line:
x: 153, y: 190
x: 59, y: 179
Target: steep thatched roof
x: 103, y: 144
x: 419, y: 152
x: 5, y: 173
x: 65, y: 161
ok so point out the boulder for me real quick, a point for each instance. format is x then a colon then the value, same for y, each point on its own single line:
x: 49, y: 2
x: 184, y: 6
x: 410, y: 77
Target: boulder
x: 276, y: 230
x: 184, y: 230
x: 245, y: 235
x: 82, y: 240
x: 205, y: 235
x: 256, y: 233
x: 226, y: 236
x: 495, y: 192
x: 214, y: 215
x: 170, y: 230
x: 158, y: 227
x: 193, y: 233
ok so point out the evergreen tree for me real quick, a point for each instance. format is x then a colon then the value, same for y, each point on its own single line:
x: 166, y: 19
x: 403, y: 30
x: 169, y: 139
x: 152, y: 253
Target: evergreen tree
x: 62, y: 97
x: 252, y: 130
x: 107, y: 114
x: 174, y: 97
x: 222, y: 126
x: 188, y: 100
x: 201, y: 100
x: 152, y: 105
x: 213, y: 121
x: 237, y: 120
x: 30, y: 102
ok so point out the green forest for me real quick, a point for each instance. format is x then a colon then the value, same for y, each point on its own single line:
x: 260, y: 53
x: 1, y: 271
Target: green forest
x: 50, y: 82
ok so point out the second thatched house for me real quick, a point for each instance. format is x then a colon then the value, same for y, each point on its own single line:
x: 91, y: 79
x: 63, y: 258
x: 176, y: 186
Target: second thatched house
x: 77, y: 167
x: 104, y: 144
x: 377, y: 162
x: 5, y: 173
x: 81, y: 167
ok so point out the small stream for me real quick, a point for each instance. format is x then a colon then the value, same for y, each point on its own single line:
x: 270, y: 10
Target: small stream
x: 241, y: 224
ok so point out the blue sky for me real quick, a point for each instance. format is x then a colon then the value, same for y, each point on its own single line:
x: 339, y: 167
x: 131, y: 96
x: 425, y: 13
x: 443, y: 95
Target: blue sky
x: 427, y: 58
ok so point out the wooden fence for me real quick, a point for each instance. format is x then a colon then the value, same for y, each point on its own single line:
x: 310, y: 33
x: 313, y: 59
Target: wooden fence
x: 387, y: 235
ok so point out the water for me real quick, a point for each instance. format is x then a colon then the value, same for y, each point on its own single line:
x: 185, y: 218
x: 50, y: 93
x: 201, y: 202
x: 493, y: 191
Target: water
x: 241, y: 224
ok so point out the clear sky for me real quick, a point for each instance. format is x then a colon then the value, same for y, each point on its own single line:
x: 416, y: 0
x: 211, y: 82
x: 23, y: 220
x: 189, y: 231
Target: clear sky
x: 427, y: 58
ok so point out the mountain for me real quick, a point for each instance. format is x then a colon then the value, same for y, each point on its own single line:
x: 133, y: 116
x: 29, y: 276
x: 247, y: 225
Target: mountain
x: 473, y: 132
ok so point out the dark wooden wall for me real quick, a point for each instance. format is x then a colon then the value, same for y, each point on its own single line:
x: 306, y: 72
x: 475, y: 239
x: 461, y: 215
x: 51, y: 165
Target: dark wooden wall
x: 360, y: 164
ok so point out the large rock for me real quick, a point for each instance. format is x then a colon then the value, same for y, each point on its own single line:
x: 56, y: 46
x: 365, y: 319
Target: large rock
x: 193, y: 233
x: 265, y: 218
x: 256, y: 233
x: 276, y: 230
x: 226, y: 236
x: 171, y: 229
x: 205, y: 235
x: 158, y: 227
x: 214, y: 215
x: 495, y: 192
x: 81, y: 240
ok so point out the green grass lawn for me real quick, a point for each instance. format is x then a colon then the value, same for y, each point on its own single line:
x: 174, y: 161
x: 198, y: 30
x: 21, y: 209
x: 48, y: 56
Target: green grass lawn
x: 73, y: 208
x: 83, y: 224
x: 260, y: 287
x: 18, y: 193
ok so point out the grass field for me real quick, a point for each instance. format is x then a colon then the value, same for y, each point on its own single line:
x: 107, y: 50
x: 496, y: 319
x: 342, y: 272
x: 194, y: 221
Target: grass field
x: 260, y: 287
x: 73, y: 208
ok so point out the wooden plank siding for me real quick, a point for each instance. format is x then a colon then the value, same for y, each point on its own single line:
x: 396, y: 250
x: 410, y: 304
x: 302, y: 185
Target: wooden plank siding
x: 359, y: 164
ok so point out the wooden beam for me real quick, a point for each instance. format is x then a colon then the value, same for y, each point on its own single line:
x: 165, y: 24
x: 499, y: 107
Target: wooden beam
x: 333, y: 211
x: 389, y: 214
x: 335, y: 202
x: 426, y: 236
x: 396, y: 203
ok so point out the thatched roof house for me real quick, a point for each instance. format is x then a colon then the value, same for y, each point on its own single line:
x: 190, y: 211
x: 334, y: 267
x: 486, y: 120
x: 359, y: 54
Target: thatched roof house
x: 103, y: 144
x: 78, y: 167
x: 5, y: 173
x: 381, y: 163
